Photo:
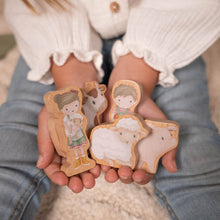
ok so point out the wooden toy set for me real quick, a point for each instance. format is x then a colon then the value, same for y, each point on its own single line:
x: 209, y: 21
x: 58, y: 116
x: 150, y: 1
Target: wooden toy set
x: 128, y: 140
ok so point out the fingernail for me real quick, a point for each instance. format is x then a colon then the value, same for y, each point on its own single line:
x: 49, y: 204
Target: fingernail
x: 40, y: 161
x: 124, y: 177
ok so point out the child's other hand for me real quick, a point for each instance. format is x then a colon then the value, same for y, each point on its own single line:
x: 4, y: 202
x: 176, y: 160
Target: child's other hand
x: 50, y: 161
x: 147, y: 109
x: 129, y: 67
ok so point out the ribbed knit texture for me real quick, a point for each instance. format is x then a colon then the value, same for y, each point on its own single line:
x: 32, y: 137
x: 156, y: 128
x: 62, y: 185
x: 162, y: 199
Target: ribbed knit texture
x: 168, y: 36
x: 55, y: 35
x: 169, y: 39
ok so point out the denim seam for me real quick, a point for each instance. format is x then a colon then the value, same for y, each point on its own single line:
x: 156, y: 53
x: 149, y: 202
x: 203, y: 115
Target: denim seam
x: 163, y: 198
x: 30, y: 195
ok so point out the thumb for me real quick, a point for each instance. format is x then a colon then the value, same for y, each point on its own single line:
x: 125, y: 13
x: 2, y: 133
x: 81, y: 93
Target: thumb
x: 169, y: 161
x: 45, y: 145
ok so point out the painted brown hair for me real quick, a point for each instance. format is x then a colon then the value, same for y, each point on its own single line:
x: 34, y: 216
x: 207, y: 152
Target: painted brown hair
x: 125, y: 90
x: 66, y: 98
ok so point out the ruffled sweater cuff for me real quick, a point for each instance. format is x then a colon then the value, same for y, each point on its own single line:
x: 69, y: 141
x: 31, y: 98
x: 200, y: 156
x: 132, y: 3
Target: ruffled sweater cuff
x: 42, y: 74
x: 168, y: 39
x: 53, y: 36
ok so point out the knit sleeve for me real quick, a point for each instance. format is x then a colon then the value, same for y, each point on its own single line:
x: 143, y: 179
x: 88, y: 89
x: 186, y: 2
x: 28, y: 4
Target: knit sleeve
x: 169, y: 34
x: 52, y: 34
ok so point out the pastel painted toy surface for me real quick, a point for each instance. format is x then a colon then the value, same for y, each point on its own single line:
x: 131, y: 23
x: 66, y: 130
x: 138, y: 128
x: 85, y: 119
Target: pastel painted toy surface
x: 126, y: 95
x: 94, y: 103
x: 115, y: 144
x: 67, y: 125
x: 163, y: 138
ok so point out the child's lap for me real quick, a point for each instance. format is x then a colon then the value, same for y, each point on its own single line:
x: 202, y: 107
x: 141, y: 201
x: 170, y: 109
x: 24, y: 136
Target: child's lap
x: 187, y: 103
x: 20, y: 181
x: 23, y: 89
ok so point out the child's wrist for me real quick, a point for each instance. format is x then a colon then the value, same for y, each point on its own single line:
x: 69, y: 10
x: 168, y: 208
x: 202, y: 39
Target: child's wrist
x: 131, y: 68
x: 73, y: 72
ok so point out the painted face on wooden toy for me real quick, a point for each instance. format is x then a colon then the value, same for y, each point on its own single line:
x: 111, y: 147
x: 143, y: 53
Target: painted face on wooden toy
x: 124, y: 101
x: 71, y: 108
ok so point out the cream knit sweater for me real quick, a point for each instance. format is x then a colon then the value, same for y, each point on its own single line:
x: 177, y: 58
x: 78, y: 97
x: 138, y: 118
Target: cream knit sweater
x: 166, y: 34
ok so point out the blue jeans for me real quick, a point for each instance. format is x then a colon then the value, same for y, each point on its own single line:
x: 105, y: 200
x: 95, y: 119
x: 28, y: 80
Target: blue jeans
x: 191, y: 193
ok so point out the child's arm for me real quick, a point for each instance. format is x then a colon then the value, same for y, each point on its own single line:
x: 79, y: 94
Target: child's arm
x: 49, y: 37
x: 72, y: 72
x: 132, y: 68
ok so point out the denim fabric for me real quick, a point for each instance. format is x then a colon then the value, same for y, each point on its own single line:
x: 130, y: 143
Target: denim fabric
x: 191, y: 193
x: 21, y: 183
x: 194, y: 191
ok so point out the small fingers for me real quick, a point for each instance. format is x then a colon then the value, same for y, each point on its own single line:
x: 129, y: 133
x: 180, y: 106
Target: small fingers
x: 105, y: 168
x: 96, y: 171
x: 111, y: 175
x: 88, y: 180
x: 78, y: 182
x: 75, y: 184
x: 125, y: 174
x: 141, y: 177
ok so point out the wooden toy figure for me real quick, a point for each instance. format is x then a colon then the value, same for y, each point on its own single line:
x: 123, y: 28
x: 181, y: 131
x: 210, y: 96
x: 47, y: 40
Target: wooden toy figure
x: 163, y: 138
x: 67, y: 125
x: 126, y: 95
x: 94, y: 103
x: 115, y: 144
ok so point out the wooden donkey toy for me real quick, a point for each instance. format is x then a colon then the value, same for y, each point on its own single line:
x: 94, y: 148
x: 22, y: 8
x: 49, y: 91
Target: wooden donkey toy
x: 94, y: 103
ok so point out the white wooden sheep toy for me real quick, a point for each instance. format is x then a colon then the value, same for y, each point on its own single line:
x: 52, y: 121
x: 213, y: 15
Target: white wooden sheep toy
x: 115, y: 144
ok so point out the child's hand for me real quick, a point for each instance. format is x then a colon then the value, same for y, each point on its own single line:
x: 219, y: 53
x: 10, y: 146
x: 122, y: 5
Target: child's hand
x: 147, y: 109
x: 73, y: 72
x: 129, y: 67
x: 50, y: 161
